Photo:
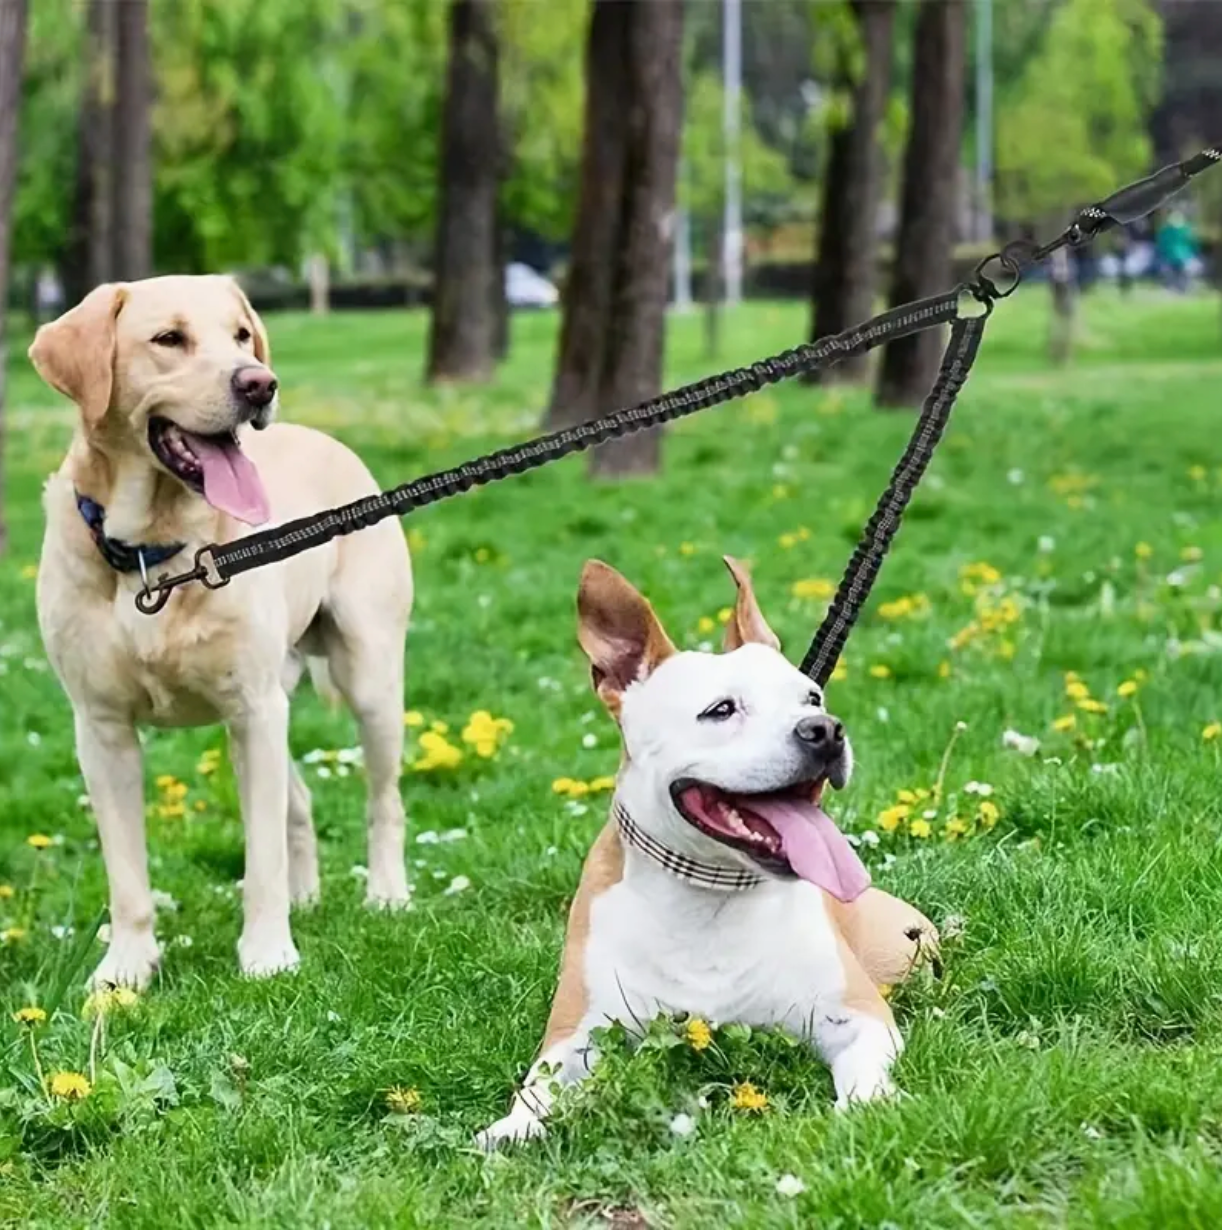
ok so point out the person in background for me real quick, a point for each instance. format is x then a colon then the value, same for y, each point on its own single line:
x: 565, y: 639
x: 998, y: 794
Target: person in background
x: 1176, y: 247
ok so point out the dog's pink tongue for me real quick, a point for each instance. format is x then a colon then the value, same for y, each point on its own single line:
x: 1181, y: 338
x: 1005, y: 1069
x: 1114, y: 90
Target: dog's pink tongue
x: 231, y: 482
x: 816, y: 849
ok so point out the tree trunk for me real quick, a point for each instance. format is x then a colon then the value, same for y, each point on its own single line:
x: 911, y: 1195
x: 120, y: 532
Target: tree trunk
x: 318, y: 276
x: 500, y: 300
x: 713, y: 289
x: 12, y: 50
x: 615, y: 301
x: 845, y: 271
x: 587, y: 285
x: 463, y: 328
x: 925, y: 244
x: 1064, y: 300
x: 91, y: 250
x: 133, y: 167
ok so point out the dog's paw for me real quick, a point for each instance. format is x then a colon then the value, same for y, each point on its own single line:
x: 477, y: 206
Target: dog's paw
x: 261, y: 957
x: 870, y: 1091
x: 130, y: 961
x: 304, y: 897
x: 517, y: 1127
x: 388, y: 892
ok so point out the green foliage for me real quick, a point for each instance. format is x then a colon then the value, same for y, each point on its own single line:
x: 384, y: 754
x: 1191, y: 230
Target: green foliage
x: 48, y: 131
x: 765, y: 172
x: 542, y: 95
x: 1073, y: 126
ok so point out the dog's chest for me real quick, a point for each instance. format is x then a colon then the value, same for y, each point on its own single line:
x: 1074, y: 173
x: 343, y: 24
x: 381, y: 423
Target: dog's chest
x: 765, y: 958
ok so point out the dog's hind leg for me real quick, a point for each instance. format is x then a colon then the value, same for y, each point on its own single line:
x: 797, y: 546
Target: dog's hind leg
x: 303, y: 845
x: 366, y: 661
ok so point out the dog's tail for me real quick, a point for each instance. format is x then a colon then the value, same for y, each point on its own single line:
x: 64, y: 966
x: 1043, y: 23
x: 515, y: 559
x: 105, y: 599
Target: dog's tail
x: 324, y: 685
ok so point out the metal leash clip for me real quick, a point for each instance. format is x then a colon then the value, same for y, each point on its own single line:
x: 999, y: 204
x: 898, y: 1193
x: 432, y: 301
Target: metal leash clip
x: 153, y: 597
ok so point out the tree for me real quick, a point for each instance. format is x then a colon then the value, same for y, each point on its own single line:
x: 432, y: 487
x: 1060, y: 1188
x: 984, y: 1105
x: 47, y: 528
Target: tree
x: 133, y: 178
x: 613, y: 327
x: 464, y: 323
x: 91, y: 246
x: 1075, y: 123
x: 12, y: 47
x: 847, y: 259
x: 925, y: 242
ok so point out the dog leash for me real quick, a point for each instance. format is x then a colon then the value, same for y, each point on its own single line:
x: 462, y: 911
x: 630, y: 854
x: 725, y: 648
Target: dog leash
x: 994, y: 278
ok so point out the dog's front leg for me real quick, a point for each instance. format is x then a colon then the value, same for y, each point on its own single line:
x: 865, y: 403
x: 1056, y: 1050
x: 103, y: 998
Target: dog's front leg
x: 563, y: 1063
x: 859, y: 1047
x: 108, y: 751
x: 259, y: 742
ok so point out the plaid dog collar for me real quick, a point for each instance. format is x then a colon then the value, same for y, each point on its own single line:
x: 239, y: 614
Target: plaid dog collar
x: 702, y: 875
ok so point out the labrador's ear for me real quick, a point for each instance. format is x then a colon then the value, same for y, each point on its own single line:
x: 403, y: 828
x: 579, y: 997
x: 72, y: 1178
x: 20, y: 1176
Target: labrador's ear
x: 76, y: 353
x: 619, y: 632
x: 747, y: 623
x: 263, y: 350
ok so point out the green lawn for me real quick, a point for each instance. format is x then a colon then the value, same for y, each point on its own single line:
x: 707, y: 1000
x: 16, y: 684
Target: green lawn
x: 1063, y: 1071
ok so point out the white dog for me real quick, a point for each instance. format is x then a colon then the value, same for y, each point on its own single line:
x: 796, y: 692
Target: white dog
x: 169, y: 376
x: 720, y: 887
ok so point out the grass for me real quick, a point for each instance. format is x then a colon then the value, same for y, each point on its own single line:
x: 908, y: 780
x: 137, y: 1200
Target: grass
x: 1063, y: 1071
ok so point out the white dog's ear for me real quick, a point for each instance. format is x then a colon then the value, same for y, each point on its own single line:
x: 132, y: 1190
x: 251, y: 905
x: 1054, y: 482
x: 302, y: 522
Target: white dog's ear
x: 263, y: 350
x: 618, y: 631
x: 747, y: 624
x: 76, y: 353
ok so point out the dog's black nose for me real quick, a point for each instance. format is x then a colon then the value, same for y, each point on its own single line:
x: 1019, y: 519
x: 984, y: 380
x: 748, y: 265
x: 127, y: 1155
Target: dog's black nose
x: 255, y: 386
x: 823, y: 735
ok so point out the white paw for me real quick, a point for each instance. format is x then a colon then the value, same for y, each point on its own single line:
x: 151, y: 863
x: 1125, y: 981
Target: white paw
x: 388, y: 892
x: 304, y: 896
x: 130, y: 961
x: 871, y: 1090
x: 261, y: 957
x: 518, y: 1126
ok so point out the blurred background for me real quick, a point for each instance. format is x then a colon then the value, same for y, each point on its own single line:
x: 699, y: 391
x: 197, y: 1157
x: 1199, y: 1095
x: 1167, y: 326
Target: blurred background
x: 612, y: 162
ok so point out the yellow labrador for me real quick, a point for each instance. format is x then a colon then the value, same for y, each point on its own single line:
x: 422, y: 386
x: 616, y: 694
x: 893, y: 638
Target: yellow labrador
x: 170, y: 376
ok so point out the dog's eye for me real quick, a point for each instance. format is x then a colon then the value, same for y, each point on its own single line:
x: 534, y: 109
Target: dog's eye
x: 171, y: 337
x: 720, y: 711
x: 243, y: 335
x: 814, y: 698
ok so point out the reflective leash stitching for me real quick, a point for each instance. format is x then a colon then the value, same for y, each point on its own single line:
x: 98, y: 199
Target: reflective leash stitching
x: 215, y: 565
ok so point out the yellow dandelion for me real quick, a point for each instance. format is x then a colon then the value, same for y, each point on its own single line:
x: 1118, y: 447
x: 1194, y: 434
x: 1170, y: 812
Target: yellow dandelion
x: 723, y: 616
x: 1075, y: 689
x: 885, y: 989
x: 687, y: 548
x: 705, y: 625
x: 29, y: 572
x: 416, y: 539
x: 209, y: 762
x: 1192, y: 555
x: 879, y: 671
x: 920, y: 828
x: 906, y: 796
x: 437, y: 753
x: 485, y: 732
x: 816, y: 588
x: 955, y: 828
x: 111, y: 999
x: 413, y: 718
x: 1087, y: 705
x: 988, y: 814
x: 699, y: 1036
x: 171, y: 811
x: 11, y: 935
x: 401, y: 1101
x: 890, y: 818
x: 600, y: 784
x: 1064, y: 723
x: 200, y: 805
x: 71, y: 1086
x: 1143, y: 550
x: 787, y: 541
x: 1127, y: 688
x: 562, y: 785
x: 7, y: 892
x: 840, y: 673
x: 29, y: 1016
x: 1212, y: 732
x: 40, y: 841
x: 747, y: 1097
x: 439, y: 728
x: 943, y: 670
